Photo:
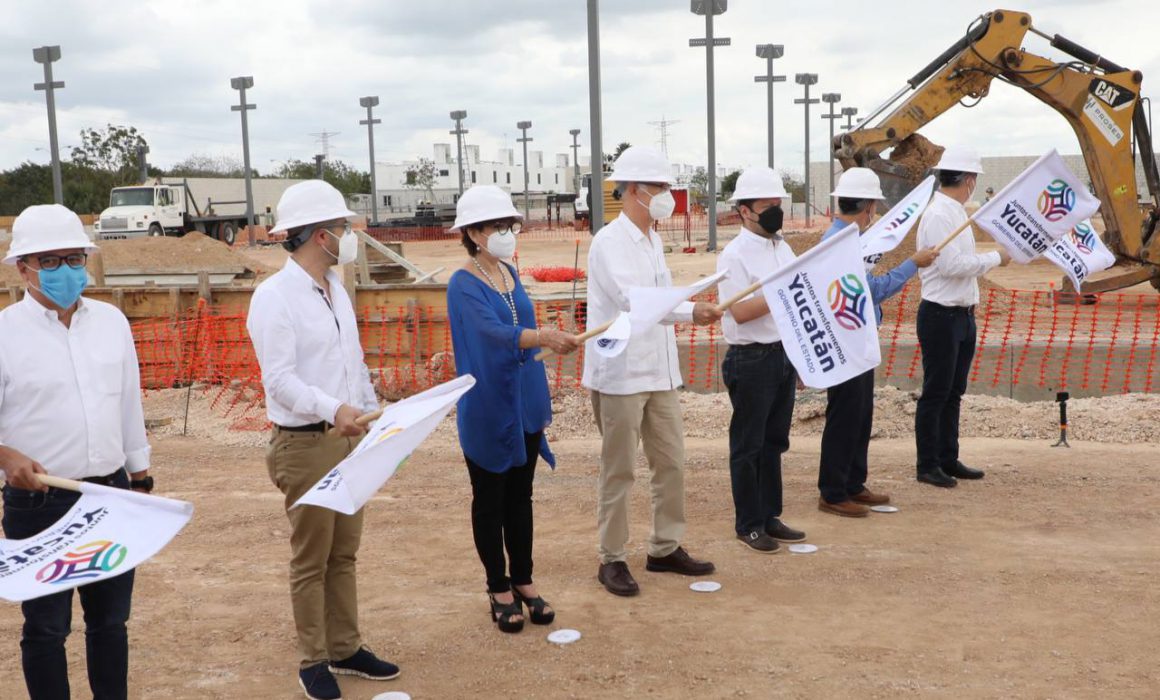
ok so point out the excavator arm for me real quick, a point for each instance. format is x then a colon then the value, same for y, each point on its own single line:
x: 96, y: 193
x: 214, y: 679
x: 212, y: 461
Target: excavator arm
x: 1099, y: 99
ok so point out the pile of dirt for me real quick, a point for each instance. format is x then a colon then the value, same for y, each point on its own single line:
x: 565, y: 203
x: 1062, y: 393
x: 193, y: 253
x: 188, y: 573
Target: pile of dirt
x: 192, y: 252
x: 916, y: 154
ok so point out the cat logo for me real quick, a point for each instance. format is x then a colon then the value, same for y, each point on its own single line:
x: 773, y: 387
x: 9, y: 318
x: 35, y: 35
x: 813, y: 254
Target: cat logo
x: 1110, y: 94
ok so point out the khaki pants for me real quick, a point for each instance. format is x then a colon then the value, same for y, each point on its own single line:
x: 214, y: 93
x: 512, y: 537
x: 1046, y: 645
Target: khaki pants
x: 323, y: 547
x: 624, y: 421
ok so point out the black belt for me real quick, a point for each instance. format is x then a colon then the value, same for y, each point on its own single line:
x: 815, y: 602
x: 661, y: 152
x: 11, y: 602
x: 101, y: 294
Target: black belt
x: 319, y: 427
x: 106, y: 480
x: 968, y: 310
x: 776, y: 345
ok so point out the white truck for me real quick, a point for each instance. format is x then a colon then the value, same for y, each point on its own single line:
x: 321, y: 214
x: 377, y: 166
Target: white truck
x: 169, y: 207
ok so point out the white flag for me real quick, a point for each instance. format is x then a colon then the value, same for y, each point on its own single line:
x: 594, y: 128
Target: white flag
x: 107, y: 533
x: 821, y: 303
x: 647, y: 307
x: 1037, y: 208
x: 886, y: 233
x: 1080, y: 253
x: 385, y: 447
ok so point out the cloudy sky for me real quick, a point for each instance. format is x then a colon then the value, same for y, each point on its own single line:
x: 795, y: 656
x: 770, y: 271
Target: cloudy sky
x: 164, y: 67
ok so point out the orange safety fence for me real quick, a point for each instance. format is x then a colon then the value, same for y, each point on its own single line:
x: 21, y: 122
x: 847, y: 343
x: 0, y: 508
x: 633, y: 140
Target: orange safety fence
x: 1024, y: 339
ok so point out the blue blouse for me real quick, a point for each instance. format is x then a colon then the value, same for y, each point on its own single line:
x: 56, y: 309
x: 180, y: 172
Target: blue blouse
x: 882, y: 287
x: 510, y: 396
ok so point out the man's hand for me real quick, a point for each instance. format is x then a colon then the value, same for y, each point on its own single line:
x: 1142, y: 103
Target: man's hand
x: 1004, y: 257
x: 924, y: 257
x: 344, y: 421
x: 558, y: 341
x: 20, y: 471
x: 705, y: 313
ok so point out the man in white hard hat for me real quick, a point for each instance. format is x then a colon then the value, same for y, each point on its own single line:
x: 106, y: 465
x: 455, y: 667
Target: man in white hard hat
x: 70, y: 406
x: 844, y: 463
x: 760, y: 380
x: 946, y: 319
x: 634, y: 395
x: 305, y: 334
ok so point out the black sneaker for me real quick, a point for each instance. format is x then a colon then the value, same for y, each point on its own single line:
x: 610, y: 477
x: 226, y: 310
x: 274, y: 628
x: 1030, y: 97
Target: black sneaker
x: 760, y: 542
x: 784, y: 533
x: 318, y: 683
x: 365, y: 664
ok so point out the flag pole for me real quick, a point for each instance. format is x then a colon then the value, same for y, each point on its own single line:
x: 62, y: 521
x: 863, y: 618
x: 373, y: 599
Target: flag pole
x: 57, y: 482
x: 724, y: 306
x: 592, y: 333
x: 363, y: 420
x: 954, y: 234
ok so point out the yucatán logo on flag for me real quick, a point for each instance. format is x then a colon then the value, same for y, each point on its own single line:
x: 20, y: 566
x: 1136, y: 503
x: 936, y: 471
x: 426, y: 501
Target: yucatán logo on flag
x: 847, y: 299
x: 86, y: 561
x: 1083, y: 238
x: 1057, y: 200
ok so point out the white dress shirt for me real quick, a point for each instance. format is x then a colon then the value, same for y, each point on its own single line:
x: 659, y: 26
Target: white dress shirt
x: 750, y: 258
x: 951, y: 280
x: 623, y: 256
x: 70, y: 397
x: 308, y: 348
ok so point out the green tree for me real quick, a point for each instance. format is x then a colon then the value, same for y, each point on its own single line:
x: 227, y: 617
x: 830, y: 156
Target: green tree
x: 199, y: 165
x: 729, y: 184
x: 421, y: 176
x: 343, y: 177
x: 609, y: 159
x: 112, y: 149
x: 23, y: 186
x: 795, y: 187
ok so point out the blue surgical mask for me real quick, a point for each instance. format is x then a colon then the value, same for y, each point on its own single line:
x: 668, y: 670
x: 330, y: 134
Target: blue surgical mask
x: 63, y: 286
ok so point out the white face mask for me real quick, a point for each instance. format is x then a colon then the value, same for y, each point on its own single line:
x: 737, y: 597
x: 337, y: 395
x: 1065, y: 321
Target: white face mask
x: 661, y: 206
x: 502, y: 244
x: 347, y: 248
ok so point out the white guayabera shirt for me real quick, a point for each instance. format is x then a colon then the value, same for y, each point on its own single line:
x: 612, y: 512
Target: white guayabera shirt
x: 70, y: 397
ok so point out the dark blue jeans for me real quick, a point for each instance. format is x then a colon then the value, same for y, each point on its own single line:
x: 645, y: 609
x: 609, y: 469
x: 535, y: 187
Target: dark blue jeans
x: 762, y: 389
x: 846, y: 438
x: 48, y: 620
x: 947, y: 337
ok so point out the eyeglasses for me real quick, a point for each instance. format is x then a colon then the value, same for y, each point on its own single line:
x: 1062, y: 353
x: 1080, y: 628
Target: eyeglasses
x: 51, y: 262
x: 501, y: 226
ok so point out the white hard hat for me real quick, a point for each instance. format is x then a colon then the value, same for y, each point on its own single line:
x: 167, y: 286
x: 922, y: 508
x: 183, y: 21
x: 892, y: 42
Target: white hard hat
x: 642, y: 164
x: 44, y: 227
x: 310, y: 202
x: 484, y: 203
x: 759, y: 183
x: 858, y: 183
x: 960, y: 158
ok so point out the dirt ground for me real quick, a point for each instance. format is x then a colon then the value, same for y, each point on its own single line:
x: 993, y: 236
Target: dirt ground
x: 1038, y: 582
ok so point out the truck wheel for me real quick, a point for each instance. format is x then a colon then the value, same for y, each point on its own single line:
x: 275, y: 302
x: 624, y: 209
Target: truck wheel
x: 227, y: 232
x: 155, y: 231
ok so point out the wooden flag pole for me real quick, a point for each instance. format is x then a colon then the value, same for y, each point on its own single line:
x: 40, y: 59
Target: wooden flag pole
x: 546, y: 352
x: 954, y: 234
x: 364, y: 420
x: 57, y: 482
x: 724, y: 306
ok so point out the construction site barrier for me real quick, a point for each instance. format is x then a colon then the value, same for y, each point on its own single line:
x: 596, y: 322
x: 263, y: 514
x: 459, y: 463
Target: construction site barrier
x: 1028, y: 346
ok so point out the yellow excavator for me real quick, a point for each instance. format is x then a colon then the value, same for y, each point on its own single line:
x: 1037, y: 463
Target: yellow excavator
x: 1100, y: 99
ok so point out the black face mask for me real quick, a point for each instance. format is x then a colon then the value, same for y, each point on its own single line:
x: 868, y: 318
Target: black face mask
x: 771, y: 219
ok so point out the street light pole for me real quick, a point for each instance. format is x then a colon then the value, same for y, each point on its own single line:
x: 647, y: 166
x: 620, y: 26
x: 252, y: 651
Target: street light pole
x: 523, y: 127
x: 459, y: 115
x: 806, y: 80
x: 46, y: 55
x: 370, y: 103
x: 142, y: 164
x: 831, y: 98
x: 770, y: 52
x: 596, y: 157
x: 575, y: 160
x: 848, y: 113
x: 710, y: 8
x: 241, y: 84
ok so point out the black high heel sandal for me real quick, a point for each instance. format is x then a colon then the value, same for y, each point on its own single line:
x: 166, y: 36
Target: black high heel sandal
x: 502, y: 613
x: 537, y: 607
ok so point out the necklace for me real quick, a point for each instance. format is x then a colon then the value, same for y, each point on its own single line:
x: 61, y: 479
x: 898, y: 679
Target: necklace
x: 507, y: 296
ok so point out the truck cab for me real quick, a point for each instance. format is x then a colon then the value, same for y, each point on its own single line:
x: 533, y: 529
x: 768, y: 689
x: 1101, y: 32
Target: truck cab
x: 144, y: 210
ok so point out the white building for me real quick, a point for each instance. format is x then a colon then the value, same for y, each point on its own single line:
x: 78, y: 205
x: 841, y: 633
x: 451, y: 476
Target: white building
x: 397, y: 195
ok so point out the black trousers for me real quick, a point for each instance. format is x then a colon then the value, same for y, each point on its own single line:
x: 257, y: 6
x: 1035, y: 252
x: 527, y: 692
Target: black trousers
x: 947, y: 337
x: 846, y: 438
x: 501, y: 516
x: 762, y: 389
x: 48, y: 620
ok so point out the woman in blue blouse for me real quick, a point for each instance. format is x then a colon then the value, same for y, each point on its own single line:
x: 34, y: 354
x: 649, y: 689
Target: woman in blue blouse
x: 502, y: 419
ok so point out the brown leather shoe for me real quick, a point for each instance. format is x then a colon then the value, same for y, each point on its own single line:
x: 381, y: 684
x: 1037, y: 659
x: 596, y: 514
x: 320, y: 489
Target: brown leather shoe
x: 846, y: 509
x: 679, y: 562
x: 617, y: 579
x: 868, y: 498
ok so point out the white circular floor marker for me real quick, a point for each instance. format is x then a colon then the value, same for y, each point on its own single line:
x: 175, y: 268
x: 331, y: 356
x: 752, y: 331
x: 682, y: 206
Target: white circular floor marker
x: 705, y: 586
x: 884, y: 509
x: 393, y: 695
x: 564, y: 636
x: 803, y: 548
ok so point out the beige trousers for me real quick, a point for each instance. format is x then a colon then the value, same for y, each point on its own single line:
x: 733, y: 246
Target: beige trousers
x: 323, y: 547
x: 624, y: 422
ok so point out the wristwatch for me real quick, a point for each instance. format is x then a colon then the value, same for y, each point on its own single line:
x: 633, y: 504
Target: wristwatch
x: 145, y: 484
